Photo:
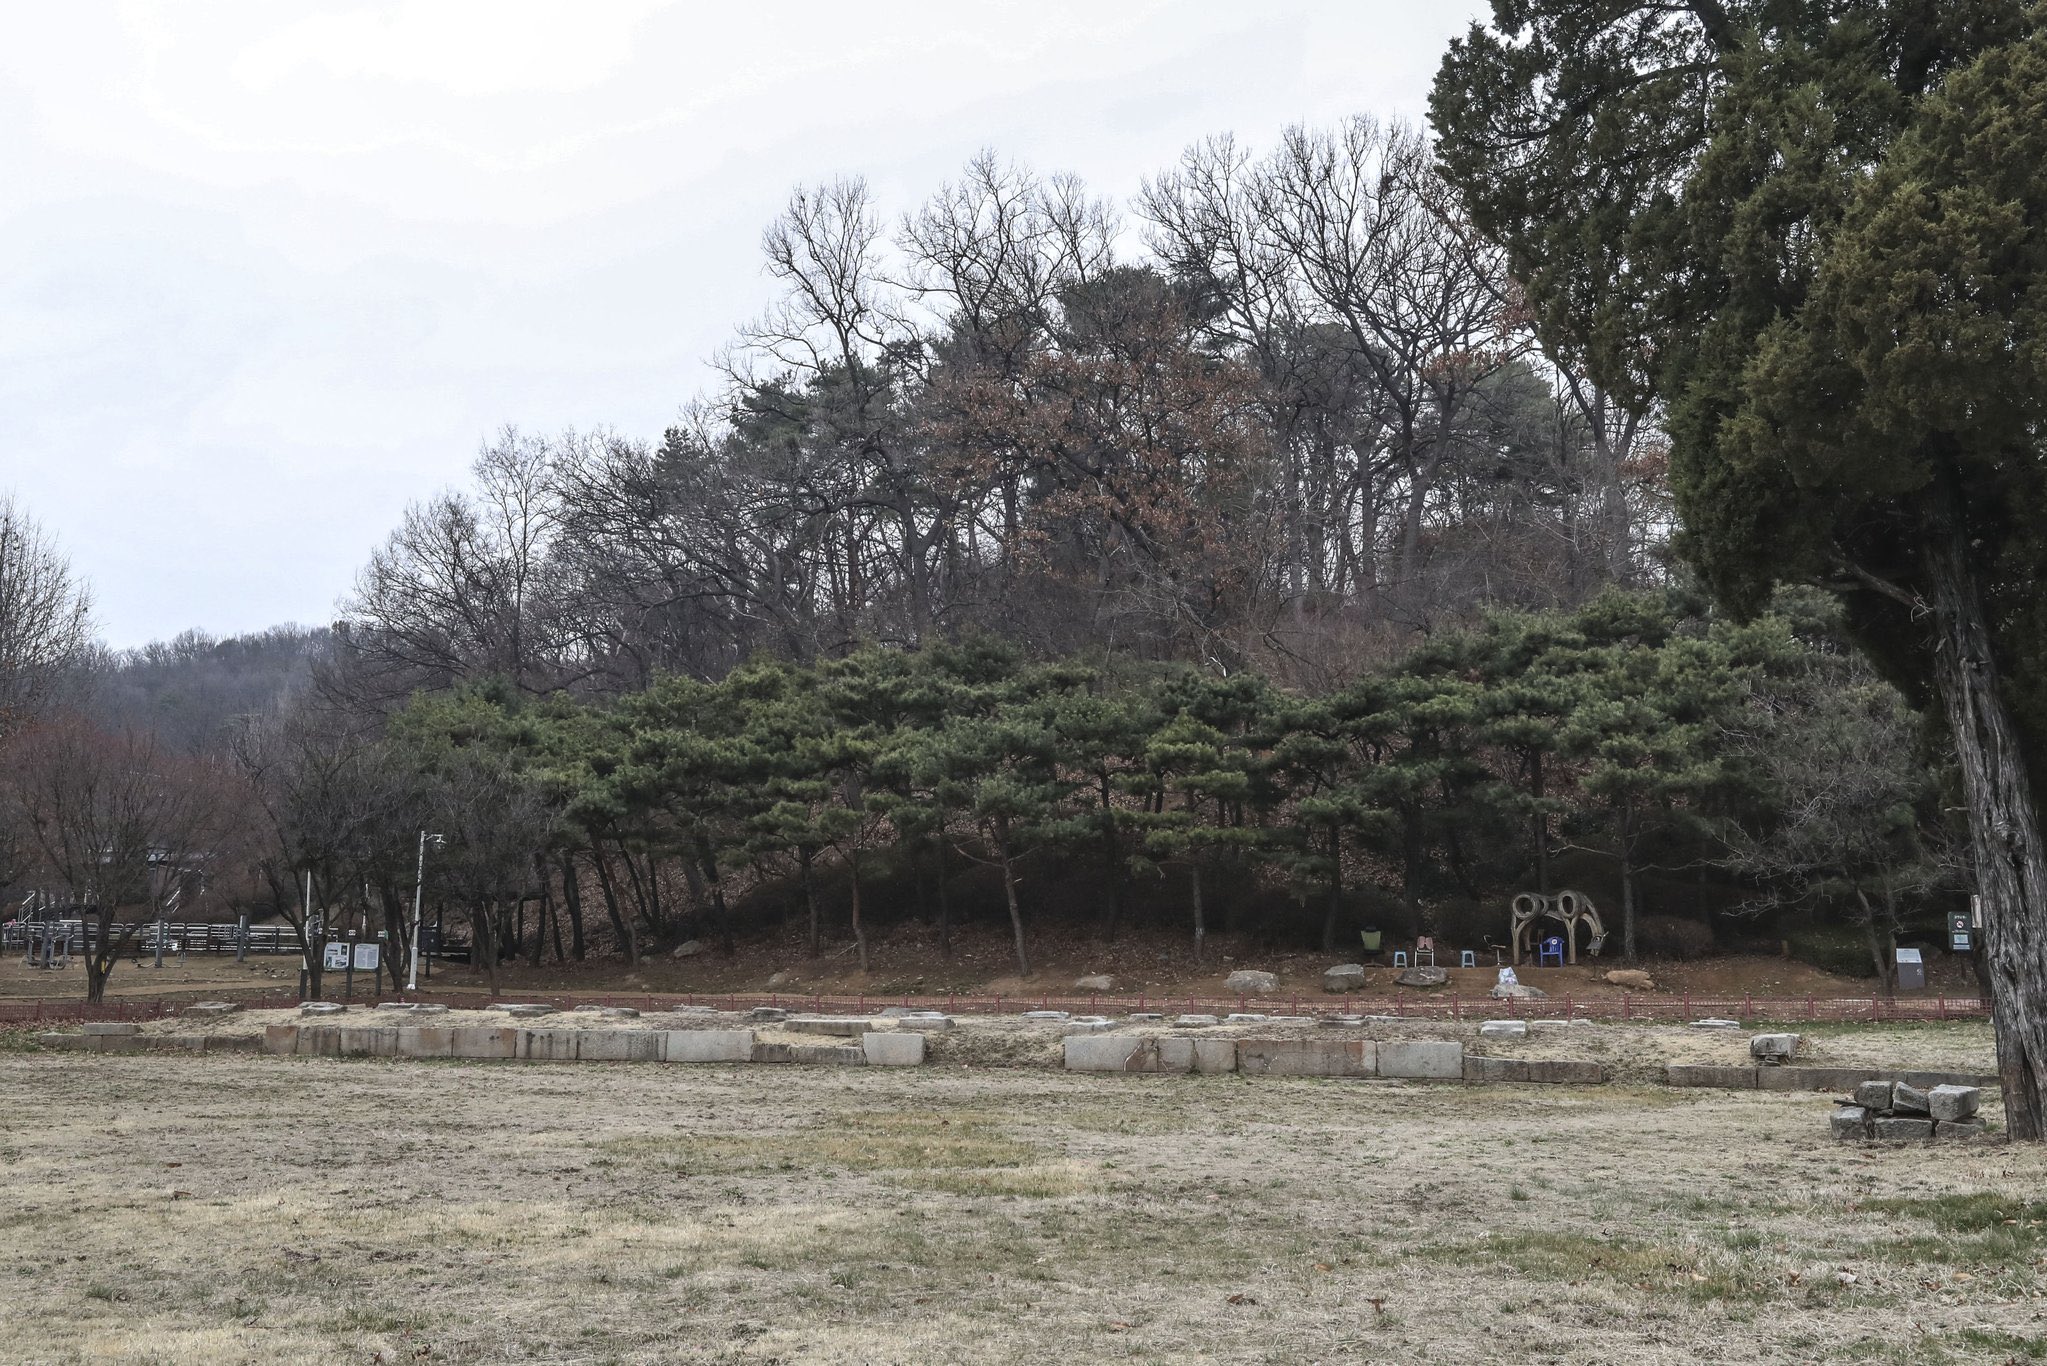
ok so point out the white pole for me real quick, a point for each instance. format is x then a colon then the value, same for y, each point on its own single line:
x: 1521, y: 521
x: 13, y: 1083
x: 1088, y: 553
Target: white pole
x: 418, y: 882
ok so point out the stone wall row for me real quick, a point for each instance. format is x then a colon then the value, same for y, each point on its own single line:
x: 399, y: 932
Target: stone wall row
x: 1415, y: 1059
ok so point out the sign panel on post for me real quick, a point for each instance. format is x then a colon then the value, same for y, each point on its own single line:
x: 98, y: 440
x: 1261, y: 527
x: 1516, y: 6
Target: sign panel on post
x: 335, y: 959
x: 367, y: 957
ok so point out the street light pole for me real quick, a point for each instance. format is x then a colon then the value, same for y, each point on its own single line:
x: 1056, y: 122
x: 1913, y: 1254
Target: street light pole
x: 418, y: 884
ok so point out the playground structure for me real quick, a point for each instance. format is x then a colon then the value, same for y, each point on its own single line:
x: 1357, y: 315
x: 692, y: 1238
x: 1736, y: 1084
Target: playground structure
x: 1568, y: 908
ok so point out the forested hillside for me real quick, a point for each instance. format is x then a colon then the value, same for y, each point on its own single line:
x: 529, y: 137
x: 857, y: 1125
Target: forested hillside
x: 1242, y: 558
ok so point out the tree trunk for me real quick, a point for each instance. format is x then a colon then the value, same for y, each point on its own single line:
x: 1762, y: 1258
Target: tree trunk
x: 859, y: 930
x: 1200, y: 924
x: 1016, y: 929
x: 483, y: 939
x: 1627, y: 859
x: 622, y: 924
x: 944, y: 900
x: 2004, y: 826
x: 1335, y: 915
x: 1886, y: 965
x: 572, y: 900
x: 810, y: 901
x: 1112, y: 885
x: 100, y: 956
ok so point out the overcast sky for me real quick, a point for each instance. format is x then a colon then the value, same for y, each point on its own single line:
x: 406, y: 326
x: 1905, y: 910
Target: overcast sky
x: 275, y: 270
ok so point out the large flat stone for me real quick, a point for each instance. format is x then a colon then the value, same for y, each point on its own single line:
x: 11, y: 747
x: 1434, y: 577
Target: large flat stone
x: 1111, y: 1053
x: 1503, y: 1029
x: 1807, y: 1078
x: 547, y: 1045
x: 842, y: 1026
x: 711, y: 1045
x: 1953, y: 1103
x: 319, y: 1041
x: 828, y: 1055
x: 1317, y: 1057
x: 618, y: 1045
x: 108, y: 1029
x: 1773, y: 1048
x: 425, y: 1041
x: 1960, y: 1128
x: 1184, y: 1053
x: 1909, y: 1099
x: 773, y: 1052
x: 1901, y: 1129
x: 483, y: 1041
x: 1422, y: 1059
x: 366, y: 1041
x: 1196, y: 1021
x: 1706, y: 1074
x: 893, y: 1050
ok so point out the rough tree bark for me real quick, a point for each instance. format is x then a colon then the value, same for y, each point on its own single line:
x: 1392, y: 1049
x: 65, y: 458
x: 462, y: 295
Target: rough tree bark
x: 2004, y: 827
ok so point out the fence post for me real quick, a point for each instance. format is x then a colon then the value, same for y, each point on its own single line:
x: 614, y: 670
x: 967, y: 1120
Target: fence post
x: 1624, y: 1005
x: 1943, y: 1007
x: 1748, y: 1005
x: 1688, y: 1000
x: 1812, y: 1010
x: 1456, y: 1006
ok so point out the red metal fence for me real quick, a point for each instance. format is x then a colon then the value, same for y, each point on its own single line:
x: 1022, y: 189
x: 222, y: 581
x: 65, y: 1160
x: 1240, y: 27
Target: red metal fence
x: 1449, y: 1006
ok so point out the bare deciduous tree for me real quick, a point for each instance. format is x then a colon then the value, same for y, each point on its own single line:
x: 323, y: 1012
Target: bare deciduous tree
x: 45, y: 617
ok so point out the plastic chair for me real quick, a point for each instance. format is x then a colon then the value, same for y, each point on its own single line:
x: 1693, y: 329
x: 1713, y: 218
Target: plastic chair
x: 1551, y: 953
x: 1467, y: 959
x: 1400, y: 958
x: 1425, y: 945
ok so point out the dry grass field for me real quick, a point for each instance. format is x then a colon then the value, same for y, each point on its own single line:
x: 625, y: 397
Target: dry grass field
x: 234, y: 1208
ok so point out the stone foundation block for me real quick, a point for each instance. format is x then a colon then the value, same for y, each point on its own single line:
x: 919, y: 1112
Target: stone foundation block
x: 1111, y: 1053
x: 1209, y: 1057
x: 827, y: 1055
x: 1308, y: 1057
x: 426, y: 1041
x: 1953, y: 1103
x: 1422, y: 1060
x: 361, y: 1041
x: 1960, y: 1128
x: 1849, y: 1121
x: 893, y: 1050
x: 281, y: 1039
x: 108, y: 1029
x: 1909, y: 1099
x: 844, y: 1026
x: 1704, y: 1074
x: 547, y: 1045
x: 1899, y: 1129
x: 483, y: 1041
x: 712, y: 1045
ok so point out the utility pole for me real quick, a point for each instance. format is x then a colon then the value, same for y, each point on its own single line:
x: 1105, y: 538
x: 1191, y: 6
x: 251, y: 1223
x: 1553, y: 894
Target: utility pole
x: 418, y: 884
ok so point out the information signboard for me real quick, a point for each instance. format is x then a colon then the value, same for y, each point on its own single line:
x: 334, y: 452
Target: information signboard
x: 367, y: 957
x: 335, y: 959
